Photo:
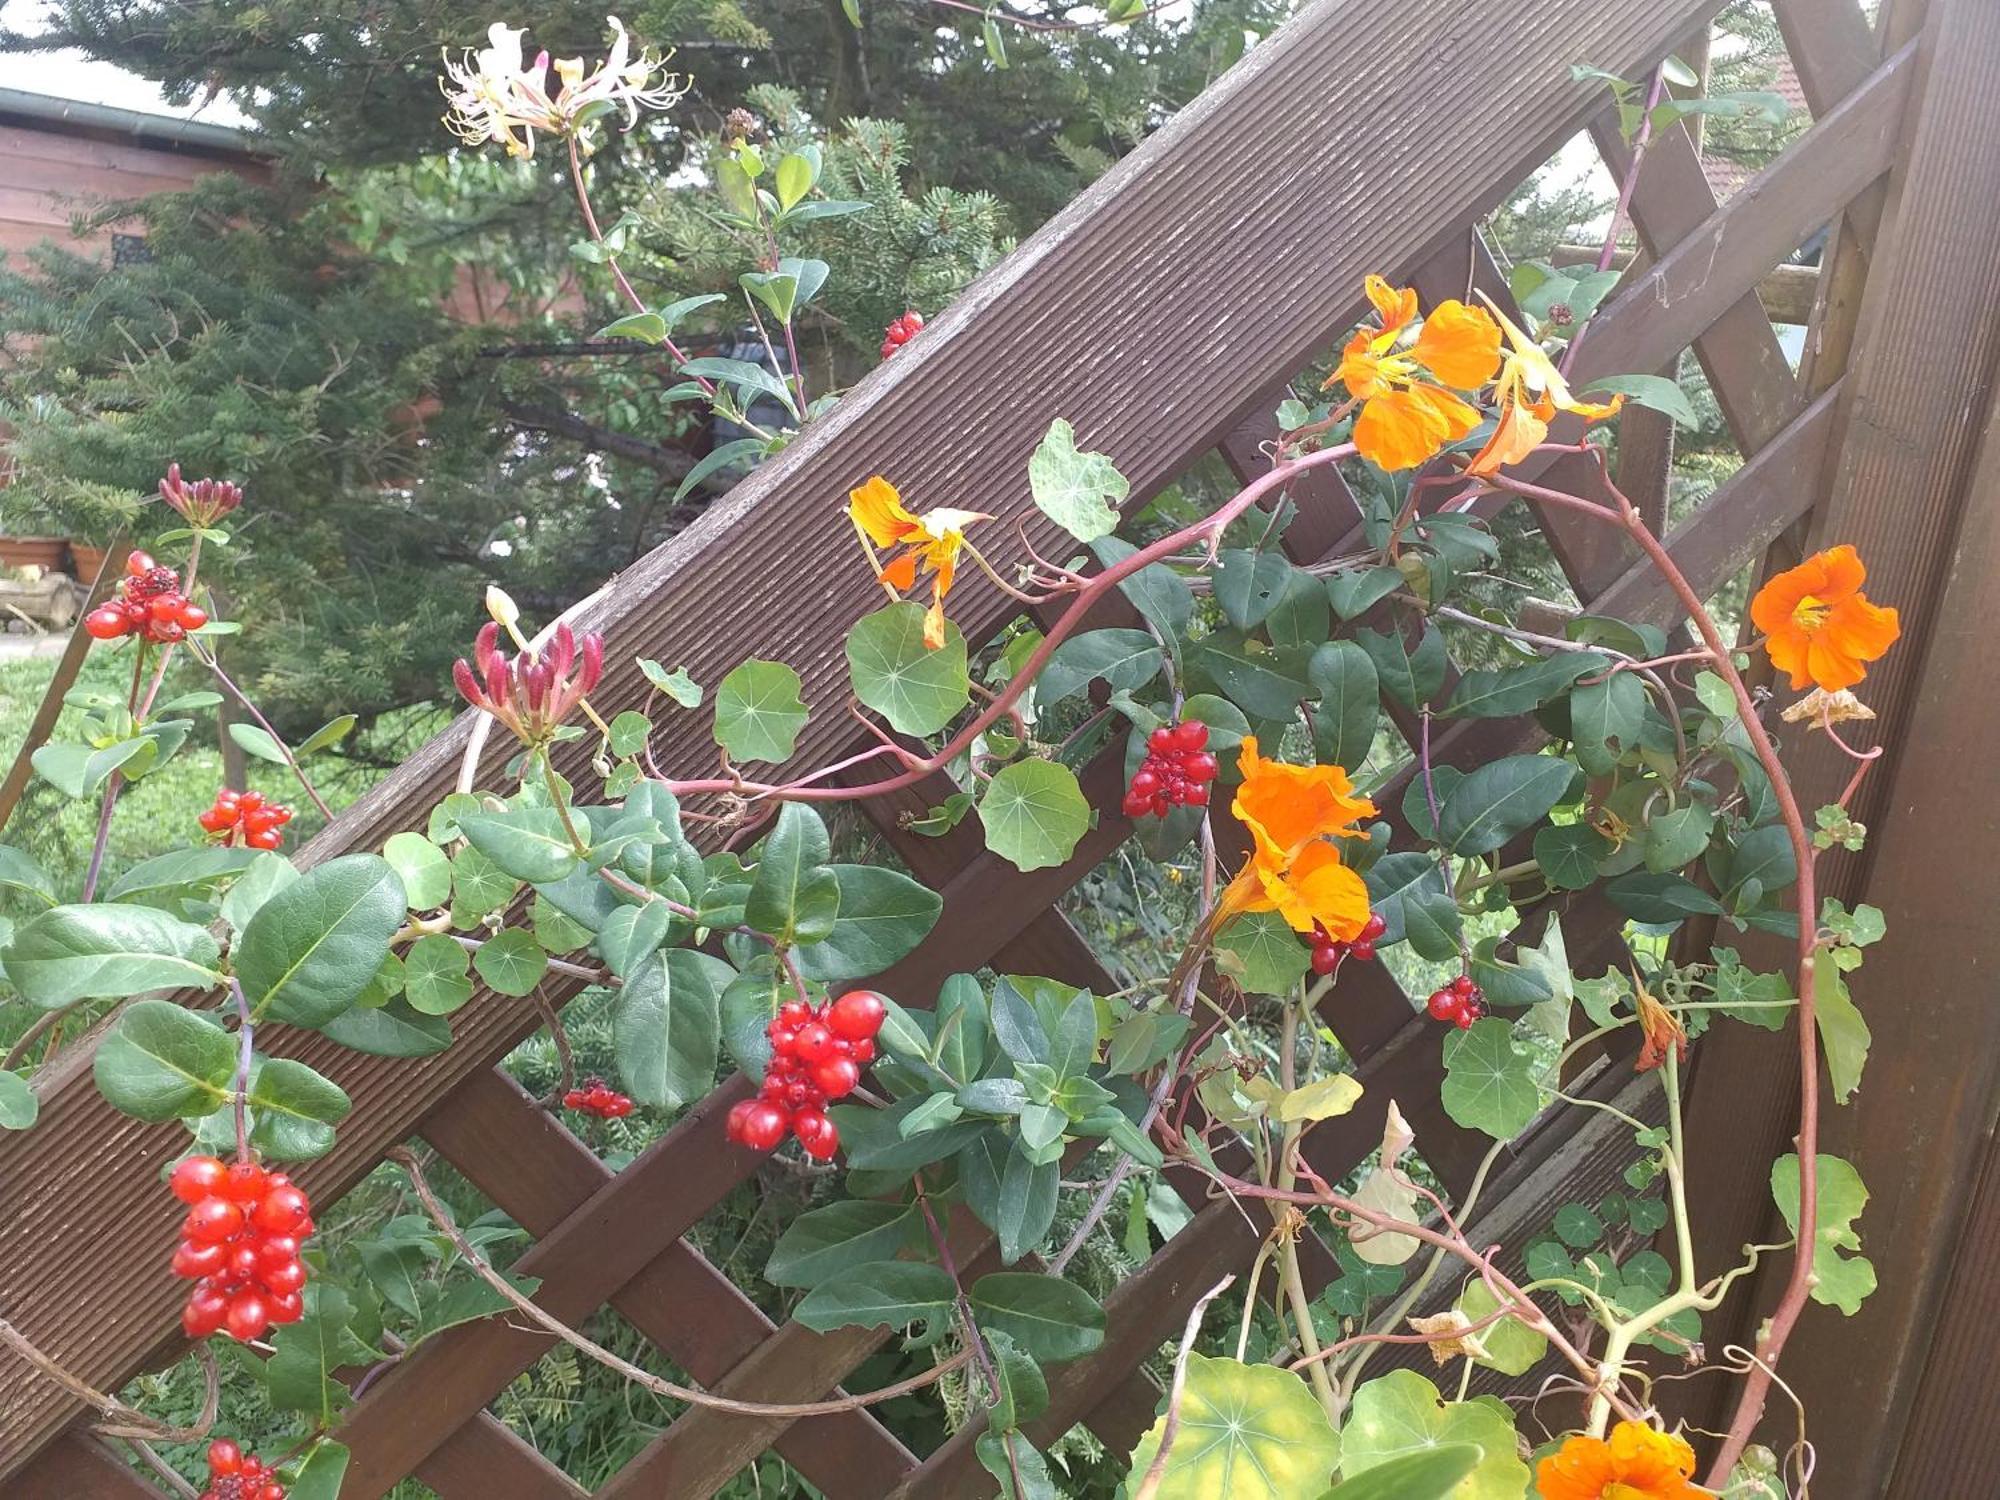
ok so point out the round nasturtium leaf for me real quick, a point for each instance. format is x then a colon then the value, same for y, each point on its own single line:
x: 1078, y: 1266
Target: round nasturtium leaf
x: 1251, y: 1432
x: 1034, y: 813
x: 918, y: 688
x: 1401, y: 1412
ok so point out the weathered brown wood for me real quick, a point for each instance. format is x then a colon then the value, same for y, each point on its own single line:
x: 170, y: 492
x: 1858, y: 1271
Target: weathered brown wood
x: 1899, y: 488
x: 79, y: 1467
x: 484, y: 1458
x: 539, y: 1174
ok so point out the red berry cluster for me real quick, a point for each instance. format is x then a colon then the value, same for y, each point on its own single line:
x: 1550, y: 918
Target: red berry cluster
x: 245, y: 818
x: 240, y: 1247
x: 817, y: 1053
x: 236, y: 1475
x: 597, y: 1097
x: 901, y: 331
x: 1461, y: 1002
x: 1329, y: 950
x: 1175, y: 773
x: 149, y: 603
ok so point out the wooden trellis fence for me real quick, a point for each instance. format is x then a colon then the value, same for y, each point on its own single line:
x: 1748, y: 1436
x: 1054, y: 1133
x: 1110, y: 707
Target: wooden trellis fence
x: 1163, y: 313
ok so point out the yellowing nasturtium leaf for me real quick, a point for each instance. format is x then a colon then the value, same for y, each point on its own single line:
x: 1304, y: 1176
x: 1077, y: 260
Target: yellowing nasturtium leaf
x: 1250, y: 1432
x: 1841, y: 1281
x: 1512, y: 1347
x: 1386, y: 1193
x: 1080, y: 492
x: 1034, y: 814
x: 1843, y: 1031
x: 1401, y: 1413
x: 1321, y: 1099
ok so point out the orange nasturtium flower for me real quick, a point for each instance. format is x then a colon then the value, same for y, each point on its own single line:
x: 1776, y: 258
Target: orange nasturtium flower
x: 1530, y: 391
x: 1818, y: 624
x: 927, y: 543
x: 1407, y: 415
x: 1637, y: 1463
x: 1293, y: 814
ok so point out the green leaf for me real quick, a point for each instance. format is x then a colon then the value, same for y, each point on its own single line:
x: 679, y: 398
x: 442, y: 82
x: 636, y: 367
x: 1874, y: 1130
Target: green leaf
x: 1512, y: 1347
x: 88, y: 952
x: 313, y: 947
x: 1024, y: 1392
x: 295, y: 1109
x: 260, y: 880
x: 666, y: 1027
x: 917, y: 689
x: 1301, y: 619
x: 1409, y: 894
x: 1027, y: 1204
x: 255, y: 740
x: 1568, y: 854
x: 632, y: 934
x: 1660, y: 899
x: 1156, y: 590
x: 884, y: 914
x: 1412, y: 673
x: 422, y: 867
x: 676, y: 684
x: 511, y: 962
x: 529, y: 843
x: 391, y: 1030
x: 1125, y: 659
x: 1840, y: 1280
x: 1842, y: 1030
x: 1490, y: 694
x: 1678, y: 837
x: 1259, y: 950
x: 321, y: 1475
x: 1489, y: 1083
x: 1247, y: 1432
x: 300, y: 1374
x: 750, y: 380
x: 821, y: 1244
x: 182, y: 871
x: 78, y: 770
x: 1578, y: 1226
x: 1354, y: 592
x: 794, y: 896
x: 649, y: 327
x: 1248, y: 585
x: 1764, y: 855
x: 160, y: 1061
x: 722, y: 456
x: 1034, y: 814
x: 1401, y: 1413
x: 758, y: 711
x: 1080, y: 492
x: 329, y: 734
x: 996, y: 44
x: 1491, y: 804
x: 793, y: 178
x: 19, y: 1103
x: 1605, y: 719
x: 1350, y: 704
x: 436, y: 975
x: 1050, y: 1318
x: 1428, y: 1474
x: 20, y: 873
x: 883, y: 1293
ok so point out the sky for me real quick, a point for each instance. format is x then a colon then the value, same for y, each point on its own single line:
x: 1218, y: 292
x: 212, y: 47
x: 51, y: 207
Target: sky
x: 71, y: 75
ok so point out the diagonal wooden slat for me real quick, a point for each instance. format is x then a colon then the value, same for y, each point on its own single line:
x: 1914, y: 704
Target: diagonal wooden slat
x: 484, y: 1458
x: 538, y: 1174
x: 79, y: 1467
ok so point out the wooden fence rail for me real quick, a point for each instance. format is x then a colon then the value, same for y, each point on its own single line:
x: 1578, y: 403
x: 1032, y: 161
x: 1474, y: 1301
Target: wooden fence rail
x: 1361, y: 137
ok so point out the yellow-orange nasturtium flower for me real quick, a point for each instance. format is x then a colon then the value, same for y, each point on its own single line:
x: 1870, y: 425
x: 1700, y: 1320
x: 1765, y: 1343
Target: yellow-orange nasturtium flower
x: 1817, y: 623
x: 1293, y: 814
x: 1407, y: 415
x: 1637, y: 1462
x: 1529, y: 393
x: 929, y: 543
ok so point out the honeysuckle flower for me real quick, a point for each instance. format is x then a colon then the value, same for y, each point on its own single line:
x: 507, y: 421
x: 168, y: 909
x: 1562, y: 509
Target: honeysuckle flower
x: 202, y: 503
x: 1637, y: 1462
x: 531, y: 693
x: 1293, y: 814
x: 1818, y: 625
x: 1407, y: 415
x: 494, y: 98
x: 929, y: 543
x: 1529, y: 393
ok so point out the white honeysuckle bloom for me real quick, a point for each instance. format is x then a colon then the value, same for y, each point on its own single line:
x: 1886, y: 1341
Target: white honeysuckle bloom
x: 494, y: 98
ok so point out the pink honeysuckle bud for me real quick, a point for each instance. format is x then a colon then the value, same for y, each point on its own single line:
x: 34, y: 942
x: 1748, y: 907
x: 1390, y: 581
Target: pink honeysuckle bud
x: 468, y: 685
x: 593, y: 663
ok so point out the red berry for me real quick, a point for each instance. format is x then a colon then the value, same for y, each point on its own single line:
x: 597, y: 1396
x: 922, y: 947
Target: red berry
x: 245, y: 1182
x: 1135, y: 805
x: 283, y: 1210
x: 286, y: 1307
x: 248, y: 1317
x: 763, y: 1125
x: 1361, y: 948
x: 205, y: 1310
x: 196, y: 1177
x: 1161, y: 740
x: 164, y: 607
x: 217, y: 819
x: 836, y: 1077
x: 900, y: 331
x: 1145, y: 781
x: 1197, y: 796
x: 738, y: 1113
x: 224, y: 1458
x: 276, y: 1249
x: 1464, y: 1019
x: 243, y: 1261
x: 817, y: 1134
x: 191, y: 616
x: 138, y: 564
x: 268, y: 838
x: 290, y: 1276
x: 815, y: 1043
x: 212, y: 1221
x: 784, y: 1039
x: 856, y: 1015
x: 1464, y: 985
x: 1444, y: 1004
x: 106, y: 624
x: 862, y: 1050
x: 1201, y: 766
x: 193, y: 1261
x: 1373, y: 928
x: 1190, y: 734
x: 1325, y: 960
